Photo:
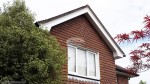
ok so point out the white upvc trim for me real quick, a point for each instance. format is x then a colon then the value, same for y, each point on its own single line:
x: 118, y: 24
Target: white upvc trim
x: 107, y: 37
x: 84, y: 79
x: 90, y: 77
x: 96, y: 66
x: 50, y: 24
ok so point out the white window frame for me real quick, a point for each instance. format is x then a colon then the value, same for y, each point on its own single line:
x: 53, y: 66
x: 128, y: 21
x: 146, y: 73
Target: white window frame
x: 97, y: 77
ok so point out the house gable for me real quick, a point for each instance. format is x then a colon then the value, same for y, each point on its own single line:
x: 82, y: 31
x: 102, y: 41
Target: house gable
x: 80, y: 27
x: 90, y: 15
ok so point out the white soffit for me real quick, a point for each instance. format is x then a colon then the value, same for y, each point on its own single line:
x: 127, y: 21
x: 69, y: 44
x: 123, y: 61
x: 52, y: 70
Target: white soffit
x: 117, y: 52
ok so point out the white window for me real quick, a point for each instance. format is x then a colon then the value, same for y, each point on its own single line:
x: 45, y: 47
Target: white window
x: 82, y: 62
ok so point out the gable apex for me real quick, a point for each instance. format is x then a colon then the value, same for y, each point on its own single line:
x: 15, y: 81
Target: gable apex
x: 91, y: 16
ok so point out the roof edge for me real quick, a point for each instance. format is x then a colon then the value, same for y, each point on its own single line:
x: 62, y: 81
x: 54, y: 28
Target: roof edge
x: 122, y: 71
x: 106, y: 31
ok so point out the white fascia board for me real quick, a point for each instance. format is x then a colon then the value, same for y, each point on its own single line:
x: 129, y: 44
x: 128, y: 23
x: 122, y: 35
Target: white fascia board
x: 116, y: 51
x: 50, y: 24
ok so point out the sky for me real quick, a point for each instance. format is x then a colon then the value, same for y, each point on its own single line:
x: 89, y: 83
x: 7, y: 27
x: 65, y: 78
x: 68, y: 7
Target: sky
x: 118, y: 16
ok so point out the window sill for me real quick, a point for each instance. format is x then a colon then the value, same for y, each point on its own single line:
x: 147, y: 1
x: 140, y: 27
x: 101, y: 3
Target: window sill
x: 72, y: 76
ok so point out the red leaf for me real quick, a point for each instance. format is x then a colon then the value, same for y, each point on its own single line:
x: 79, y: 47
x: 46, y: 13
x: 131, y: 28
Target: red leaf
x: 122, y: 37
x: 135, y: 58
x: 145, y: 45
x: 138, y: 34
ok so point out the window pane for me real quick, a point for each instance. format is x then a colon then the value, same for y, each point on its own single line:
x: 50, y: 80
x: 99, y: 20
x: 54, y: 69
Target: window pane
x: 92, y: 65
x: 82, y: 65
x: 71, y: 59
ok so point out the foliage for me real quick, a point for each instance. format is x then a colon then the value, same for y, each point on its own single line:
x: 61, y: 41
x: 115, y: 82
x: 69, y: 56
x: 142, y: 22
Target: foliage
x: 140, y: 57
x: 141, y: 82
x: 27, y: 53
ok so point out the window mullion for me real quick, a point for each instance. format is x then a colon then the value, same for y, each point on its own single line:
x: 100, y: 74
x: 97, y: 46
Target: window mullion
x: 76, y: 53
x: 87, y: 63
x: 95, y: 65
